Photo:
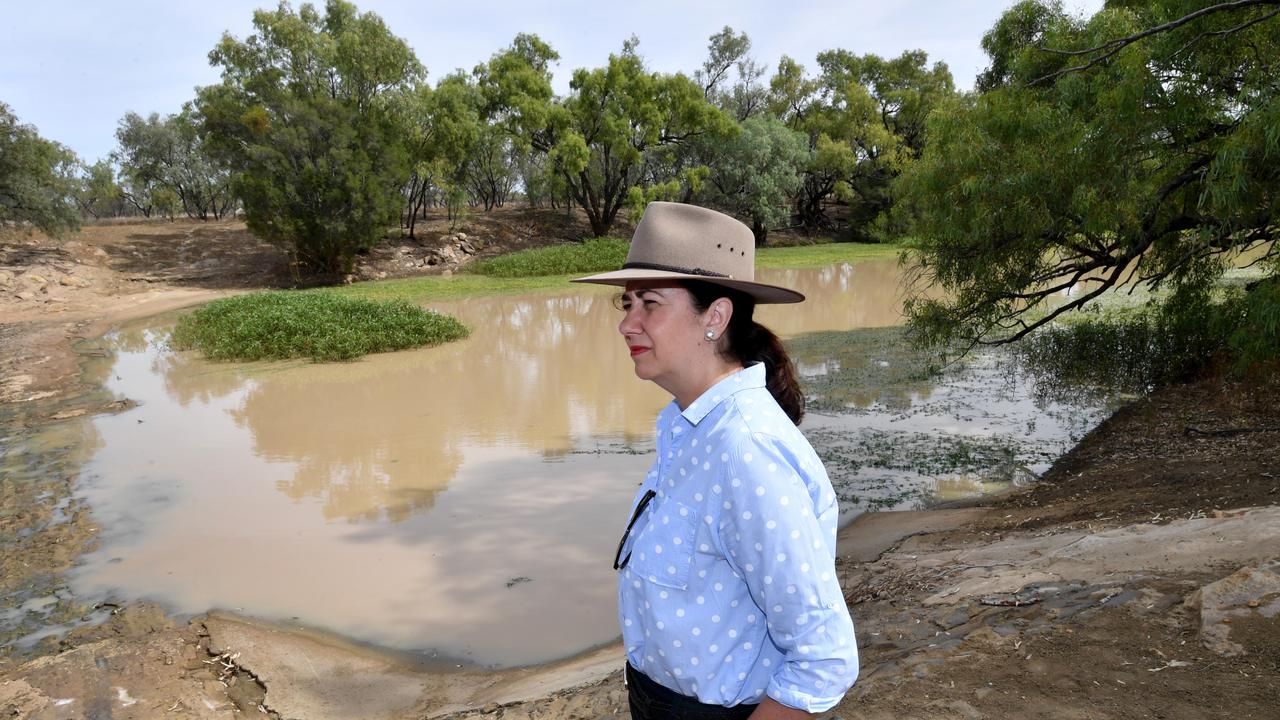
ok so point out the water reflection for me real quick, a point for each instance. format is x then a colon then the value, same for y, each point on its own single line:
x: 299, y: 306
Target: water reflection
x: 399, y: 498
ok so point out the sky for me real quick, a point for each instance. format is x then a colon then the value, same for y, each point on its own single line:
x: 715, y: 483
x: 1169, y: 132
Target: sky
x: 73, y: 69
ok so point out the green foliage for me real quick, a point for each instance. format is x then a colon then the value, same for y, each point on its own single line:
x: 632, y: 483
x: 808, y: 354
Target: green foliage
x: 37, y: 178
x: 755, y: 174
x: 317, y: 325
x: 168, y: 157
x: 594, y: 255
x: 864, y: 117
x: 600, y: 135
x: 98, y: 194
x: 1147, y: 159
x: 309, y: 117
x: 1255, y: 341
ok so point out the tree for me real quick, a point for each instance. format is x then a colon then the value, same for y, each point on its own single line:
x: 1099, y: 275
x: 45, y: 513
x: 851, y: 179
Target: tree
x: 37, y: 178
x: 98, y: 195
x: 613, y: 116
x: 744, y: 97
x: 756, y: 173
x: 1139, y: 145
x: 144, y: 144
x: 170, y: 154
x: 309, y: 119
x: 442, y: 127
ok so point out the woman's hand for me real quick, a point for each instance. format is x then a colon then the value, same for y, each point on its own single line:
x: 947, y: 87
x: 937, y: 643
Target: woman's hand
x: 771, y: 709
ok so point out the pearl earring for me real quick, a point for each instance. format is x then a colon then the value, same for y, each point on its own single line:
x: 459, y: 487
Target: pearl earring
x: 711, y: 334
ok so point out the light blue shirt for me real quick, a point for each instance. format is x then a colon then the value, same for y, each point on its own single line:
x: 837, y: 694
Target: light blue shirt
x: 731, y: 589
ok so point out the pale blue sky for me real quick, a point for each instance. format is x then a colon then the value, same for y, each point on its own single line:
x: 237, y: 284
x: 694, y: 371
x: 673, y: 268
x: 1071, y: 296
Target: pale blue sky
x: 73, y: 69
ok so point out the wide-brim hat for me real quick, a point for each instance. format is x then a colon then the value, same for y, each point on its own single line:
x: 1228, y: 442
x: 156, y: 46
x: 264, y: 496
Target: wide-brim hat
x: 675, y: 241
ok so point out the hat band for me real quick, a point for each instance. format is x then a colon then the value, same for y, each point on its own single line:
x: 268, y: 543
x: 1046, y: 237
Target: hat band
x: 673, y: 268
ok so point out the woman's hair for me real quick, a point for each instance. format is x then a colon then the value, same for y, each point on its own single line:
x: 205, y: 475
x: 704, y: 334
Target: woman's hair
x: 749, y: 342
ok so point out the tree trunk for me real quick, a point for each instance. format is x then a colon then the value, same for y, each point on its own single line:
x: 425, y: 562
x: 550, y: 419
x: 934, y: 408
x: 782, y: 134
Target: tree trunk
x: 760, y: 232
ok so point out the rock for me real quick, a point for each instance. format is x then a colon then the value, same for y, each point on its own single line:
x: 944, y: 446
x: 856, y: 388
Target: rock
x: 6, y: 278
x: 405, y: 250
x: 380, y: 275
x: 447, y: 273
x: 467, y: 247
x: 1248, y: 593
x: 75, y: 281
x: 32, y: 279
x: 26, y: 295
x: 411, y: 264
x: 462, y: 236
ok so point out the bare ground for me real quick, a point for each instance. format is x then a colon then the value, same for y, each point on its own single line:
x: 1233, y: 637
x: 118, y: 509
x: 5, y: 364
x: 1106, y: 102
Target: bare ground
x: 1082, y: 596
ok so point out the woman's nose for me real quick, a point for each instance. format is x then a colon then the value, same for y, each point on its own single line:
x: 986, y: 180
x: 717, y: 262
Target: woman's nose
x: 629, y: 325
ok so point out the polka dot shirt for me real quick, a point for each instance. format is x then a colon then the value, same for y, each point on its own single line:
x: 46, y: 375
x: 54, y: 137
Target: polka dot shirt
x: 730, y: 593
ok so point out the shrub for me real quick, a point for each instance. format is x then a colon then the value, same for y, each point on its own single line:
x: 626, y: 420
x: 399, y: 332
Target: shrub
x: 594, y: 255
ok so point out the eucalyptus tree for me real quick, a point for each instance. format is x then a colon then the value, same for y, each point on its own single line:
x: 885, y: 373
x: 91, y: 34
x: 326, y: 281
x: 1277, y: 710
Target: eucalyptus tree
x: 309, y: 118
x: 612, y: 117
x: 756, y: 172
x: 169, y: 153
x: 864, y: 117
x: 37, y: 179
x: 1140, y: 145
x: 98, y: 195
x: 730, y: 78
x: 442, y: 126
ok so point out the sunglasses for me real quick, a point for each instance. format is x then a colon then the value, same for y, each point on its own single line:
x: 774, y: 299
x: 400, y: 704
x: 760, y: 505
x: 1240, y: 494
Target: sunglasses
x: 620, y: 562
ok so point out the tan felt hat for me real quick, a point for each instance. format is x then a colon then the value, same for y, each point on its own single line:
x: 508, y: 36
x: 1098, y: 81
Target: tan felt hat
x: 675, y: 241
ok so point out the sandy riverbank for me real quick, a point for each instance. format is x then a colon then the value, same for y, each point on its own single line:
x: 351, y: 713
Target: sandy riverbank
x: 1138, y: 579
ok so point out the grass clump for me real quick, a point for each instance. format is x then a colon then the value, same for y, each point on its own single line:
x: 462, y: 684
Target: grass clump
x: 594, y: 255
x: 316, y: 325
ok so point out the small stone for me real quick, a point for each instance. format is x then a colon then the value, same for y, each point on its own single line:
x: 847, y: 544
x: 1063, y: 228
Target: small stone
x: 447, y: 273
x: 406, y: 250
x: 6, y: 278
x: 462, y: 236
x: 467, y: 247
x: 26, y: 295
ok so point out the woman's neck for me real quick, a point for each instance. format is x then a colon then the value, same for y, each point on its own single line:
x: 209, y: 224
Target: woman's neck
x: 693, y: 388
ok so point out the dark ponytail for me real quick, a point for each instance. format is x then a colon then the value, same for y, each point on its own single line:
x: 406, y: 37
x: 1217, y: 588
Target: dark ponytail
x: 750, y: 342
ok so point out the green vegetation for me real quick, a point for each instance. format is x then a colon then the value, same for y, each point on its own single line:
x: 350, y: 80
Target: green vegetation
x: 322, y: 326
x: 594, y: 255
x: 437, y: 288
x: 307, y: 118
x: 1167, y: 340
x: 819, y: 254
x: 165, y: 159
x: 37, y: 182
x: 1140, y: 145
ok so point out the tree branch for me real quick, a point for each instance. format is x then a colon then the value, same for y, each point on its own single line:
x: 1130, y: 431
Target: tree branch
x: 1111, y: 47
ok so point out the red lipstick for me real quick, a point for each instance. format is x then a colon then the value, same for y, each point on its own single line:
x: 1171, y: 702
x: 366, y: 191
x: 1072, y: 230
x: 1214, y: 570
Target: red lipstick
x: 637, y: 349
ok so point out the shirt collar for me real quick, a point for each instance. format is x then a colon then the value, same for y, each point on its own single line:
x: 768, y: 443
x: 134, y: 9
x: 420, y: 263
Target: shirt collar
x: 752, y: 376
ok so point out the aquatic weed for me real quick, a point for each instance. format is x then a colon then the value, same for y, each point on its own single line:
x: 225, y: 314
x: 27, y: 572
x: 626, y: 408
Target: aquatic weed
x: 316, y: 325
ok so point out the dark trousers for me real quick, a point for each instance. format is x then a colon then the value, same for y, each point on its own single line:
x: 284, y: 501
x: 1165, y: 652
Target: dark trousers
x: 651, y: 701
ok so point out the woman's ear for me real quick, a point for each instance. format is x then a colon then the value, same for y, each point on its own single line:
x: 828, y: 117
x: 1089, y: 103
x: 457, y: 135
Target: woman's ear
x: 720, y: 312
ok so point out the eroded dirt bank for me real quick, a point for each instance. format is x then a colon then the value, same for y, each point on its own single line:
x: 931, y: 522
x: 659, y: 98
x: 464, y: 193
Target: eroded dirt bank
x: 1138, y: 579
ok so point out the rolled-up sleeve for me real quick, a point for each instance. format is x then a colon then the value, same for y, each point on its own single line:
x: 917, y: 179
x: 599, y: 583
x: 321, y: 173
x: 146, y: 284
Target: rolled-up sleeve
x: 779, y: 534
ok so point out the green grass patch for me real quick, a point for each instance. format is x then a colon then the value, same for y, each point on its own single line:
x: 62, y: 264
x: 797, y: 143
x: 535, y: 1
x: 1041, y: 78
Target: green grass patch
x: 594, y: 255
x: 802, y: 256
x: 322, y: 326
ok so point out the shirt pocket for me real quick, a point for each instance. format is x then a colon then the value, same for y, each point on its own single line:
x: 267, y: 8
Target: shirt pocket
x: 663, y: 551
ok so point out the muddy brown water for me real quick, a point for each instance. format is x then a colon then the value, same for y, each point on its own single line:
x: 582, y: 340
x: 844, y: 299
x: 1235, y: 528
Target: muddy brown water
x: 459, y: 502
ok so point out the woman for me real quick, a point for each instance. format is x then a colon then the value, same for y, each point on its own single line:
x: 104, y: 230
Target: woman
x: 728, y: 598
